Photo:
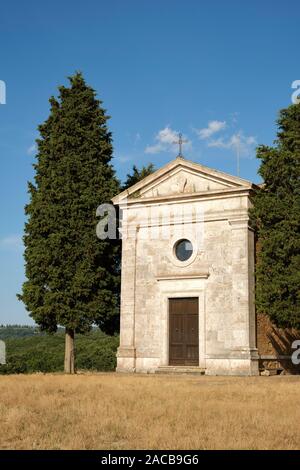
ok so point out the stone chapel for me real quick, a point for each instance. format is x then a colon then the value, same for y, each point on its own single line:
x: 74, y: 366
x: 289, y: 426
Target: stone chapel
x: 187, y: 286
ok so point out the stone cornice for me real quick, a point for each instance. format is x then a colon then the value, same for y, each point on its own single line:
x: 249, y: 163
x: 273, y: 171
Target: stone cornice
x: 172, y: 277
x: 239, y: 222
x: 235, y: 219
x: 186, y: 197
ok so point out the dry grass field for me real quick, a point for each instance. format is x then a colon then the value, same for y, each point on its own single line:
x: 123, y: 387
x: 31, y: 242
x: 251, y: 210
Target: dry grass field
x: 109, y: 411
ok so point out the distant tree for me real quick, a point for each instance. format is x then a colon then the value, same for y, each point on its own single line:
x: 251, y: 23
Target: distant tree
x: 137, y: 175
x: 72, y: 276
x: 277, y: 218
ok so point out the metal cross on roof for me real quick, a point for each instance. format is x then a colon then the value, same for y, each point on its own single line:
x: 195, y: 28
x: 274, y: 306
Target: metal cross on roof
x: 180, y: 141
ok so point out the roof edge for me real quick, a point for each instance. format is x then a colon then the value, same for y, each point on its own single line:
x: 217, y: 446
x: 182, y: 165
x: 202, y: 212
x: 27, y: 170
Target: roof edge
x: 178, y: 161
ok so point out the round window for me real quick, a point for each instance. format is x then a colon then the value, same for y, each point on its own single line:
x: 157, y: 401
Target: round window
x: 183, y: 250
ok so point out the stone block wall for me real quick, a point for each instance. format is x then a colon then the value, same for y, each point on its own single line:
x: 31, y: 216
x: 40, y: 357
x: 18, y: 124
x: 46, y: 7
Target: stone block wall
x: 222, y: 260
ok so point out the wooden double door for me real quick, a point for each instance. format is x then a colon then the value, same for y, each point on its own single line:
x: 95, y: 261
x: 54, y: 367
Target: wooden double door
x: 183, y: 331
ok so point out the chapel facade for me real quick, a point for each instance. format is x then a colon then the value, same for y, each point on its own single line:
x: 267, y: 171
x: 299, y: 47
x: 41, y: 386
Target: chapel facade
x: 187, y: 286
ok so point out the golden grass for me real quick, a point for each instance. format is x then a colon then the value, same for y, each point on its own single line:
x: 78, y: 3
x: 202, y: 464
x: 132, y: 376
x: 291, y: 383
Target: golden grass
x: 109, y: 411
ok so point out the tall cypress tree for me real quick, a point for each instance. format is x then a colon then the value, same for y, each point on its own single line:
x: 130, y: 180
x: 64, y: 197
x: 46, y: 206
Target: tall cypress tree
x: 72, y: 276
x: 277, y: 217
x: 137, y: 175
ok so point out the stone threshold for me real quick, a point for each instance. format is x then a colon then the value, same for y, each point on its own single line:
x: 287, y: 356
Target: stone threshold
x: 193, y: 370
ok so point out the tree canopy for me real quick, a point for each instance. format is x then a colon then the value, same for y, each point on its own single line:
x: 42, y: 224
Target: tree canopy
x: 277, y: 218
x: 137, y: 175
x: 72, y: 276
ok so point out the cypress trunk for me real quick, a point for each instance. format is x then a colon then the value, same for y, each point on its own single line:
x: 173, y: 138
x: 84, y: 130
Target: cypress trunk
x: 69, y: 351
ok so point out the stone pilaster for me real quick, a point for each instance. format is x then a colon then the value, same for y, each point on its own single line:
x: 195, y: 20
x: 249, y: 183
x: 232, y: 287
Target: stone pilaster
x: 126, y: 355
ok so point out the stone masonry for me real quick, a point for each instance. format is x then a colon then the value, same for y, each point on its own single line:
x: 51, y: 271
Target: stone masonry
x: 185, y: 200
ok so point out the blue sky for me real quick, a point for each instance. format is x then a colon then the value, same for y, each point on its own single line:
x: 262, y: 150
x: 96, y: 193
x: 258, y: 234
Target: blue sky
x: 216, y: 71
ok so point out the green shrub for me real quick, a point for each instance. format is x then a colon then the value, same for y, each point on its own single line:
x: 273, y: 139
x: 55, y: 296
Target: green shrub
x: 45, y: 353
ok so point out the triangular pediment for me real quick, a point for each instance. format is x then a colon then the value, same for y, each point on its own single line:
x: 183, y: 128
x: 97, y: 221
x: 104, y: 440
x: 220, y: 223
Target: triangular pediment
x: 181, y: 176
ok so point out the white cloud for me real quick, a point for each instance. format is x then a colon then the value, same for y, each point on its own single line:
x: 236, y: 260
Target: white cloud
x: 123, y: 158
x: 165, y: 139
x: 212, y: 128
x: 218, y: 143
x: 238, y: 142
x: 166, y: 142
x: 12, y: 242
x: 154, y: 148
x: 32, y: 149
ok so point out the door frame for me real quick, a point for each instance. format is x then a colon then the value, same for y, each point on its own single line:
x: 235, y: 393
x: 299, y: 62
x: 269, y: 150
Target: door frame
x: 169, y: 305
x: 182, y: 288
